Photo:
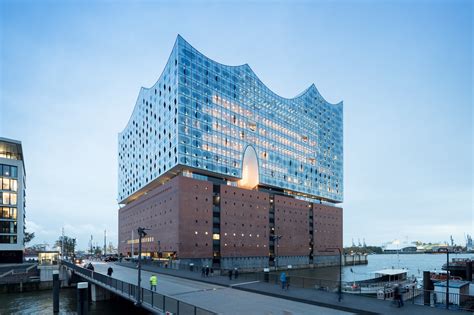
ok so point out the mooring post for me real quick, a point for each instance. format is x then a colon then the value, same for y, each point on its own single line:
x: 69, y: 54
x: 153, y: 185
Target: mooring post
x: 56, y: 291
x: 82, y: 299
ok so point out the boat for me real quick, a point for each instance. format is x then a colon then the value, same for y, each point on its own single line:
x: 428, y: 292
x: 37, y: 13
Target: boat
x: 437, y: 276
x: 383, y: 281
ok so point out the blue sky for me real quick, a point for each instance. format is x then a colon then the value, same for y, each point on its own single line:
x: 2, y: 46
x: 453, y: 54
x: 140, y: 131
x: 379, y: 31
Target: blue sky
x: 71, y: 72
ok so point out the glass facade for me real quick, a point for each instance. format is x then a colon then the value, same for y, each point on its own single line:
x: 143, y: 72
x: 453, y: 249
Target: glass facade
x: 201, y: 116
x: 8, y: 203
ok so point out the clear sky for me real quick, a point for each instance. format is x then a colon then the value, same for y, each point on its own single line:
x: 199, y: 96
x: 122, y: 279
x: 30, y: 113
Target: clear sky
x: 71, y: 72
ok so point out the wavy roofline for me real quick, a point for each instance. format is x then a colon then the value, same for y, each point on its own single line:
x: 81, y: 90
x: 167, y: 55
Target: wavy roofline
x: 245, y: 65
x: 135, y: 107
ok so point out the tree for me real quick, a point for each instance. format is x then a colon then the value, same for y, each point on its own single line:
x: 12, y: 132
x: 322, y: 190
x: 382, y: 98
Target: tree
x: 97, y: 251
x: 69, y: 245
x: 111, y: 249
x: 28, y: 237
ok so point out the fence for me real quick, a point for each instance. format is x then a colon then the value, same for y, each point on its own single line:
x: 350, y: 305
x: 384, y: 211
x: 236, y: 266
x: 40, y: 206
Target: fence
x: 150, y: 299
x: 385, y: 292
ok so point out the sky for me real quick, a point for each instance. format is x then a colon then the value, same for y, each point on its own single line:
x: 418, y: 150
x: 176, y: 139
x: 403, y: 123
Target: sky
x: 71, y: 72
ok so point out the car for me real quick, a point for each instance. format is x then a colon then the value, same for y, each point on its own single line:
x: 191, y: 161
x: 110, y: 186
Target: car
x: 110, y: 258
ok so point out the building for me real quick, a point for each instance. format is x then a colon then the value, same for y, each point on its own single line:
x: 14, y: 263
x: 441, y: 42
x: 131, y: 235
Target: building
x: 12, y: 201
x: 222, y: 169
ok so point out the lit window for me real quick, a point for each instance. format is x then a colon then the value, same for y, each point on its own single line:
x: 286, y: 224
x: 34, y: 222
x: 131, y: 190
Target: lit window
x: 216, y: 237
x: 252, y: 125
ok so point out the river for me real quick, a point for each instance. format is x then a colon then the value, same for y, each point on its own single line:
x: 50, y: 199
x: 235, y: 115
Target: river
x: 41, y: 302
x: 415, y: 263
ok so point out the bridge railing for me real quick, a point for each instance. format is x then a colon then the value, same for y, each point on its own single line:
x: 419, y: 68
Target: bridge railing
x: 150, y: 298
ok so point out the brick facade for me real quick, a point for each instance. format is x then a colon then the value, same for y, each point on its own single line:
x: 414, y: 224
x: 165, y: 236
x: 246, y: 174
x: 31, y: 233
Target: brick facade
x: 179, y: 215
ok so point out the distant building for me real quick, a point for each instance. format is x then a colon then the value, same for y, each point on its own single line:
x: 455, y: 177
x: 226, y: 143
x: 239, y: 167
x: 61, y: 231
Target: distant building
x: 397, y: 247
x: 12, y: 201
x: 225, y: 172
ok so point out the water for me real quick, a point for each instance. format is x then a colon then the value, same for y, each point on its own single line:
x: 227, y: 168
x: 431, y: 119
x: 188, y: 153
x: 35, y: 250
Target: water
x: 41, y: 302
x: 415, y: 263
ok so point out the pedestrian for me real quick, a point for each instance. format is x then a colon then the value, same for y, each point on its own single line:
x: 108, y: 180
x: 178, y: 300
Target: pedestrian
x: 236, y: 273
x: 212, y: 271
x: 203, y: 271
x: 110, y: 271
x: 153, y: 281
x: 207, y: 271
x: 283, y: 280
x: 230, y: 274
x: 90, y: 267
x: 398, y: 295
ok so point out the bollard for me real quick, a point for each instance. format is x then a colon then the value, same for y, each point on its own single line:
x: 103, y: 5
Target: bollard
x: 427, y: 287
x: 82, y: 299
x: 56, y: 291
x: 266, y: 274
x: 469, y: 270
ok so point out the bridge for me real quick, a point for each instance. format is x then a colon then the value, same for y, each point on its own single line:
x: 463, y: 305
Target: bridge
x: 102, y: 285
x: 179, y: 295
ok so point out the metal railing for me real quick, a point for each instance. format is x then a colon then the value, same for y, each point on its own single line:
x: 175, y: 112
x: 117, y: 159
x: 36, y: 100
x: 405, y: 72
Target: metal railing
x: 410, y: 295
x: 150, y: 299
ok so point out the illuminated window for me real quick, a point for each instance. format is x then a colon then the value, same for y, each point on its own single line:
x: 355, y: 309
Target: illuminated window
x: 216, y: 237
x: 252, y: 125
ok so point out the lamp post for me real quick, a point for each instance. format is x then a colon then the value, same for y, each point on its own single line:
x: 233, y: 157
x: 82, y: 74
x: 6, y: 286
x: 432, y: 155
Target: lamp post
x: 141, y: 233
x: 447, y: 279
x: 276, y: 238
x: 330, y: 249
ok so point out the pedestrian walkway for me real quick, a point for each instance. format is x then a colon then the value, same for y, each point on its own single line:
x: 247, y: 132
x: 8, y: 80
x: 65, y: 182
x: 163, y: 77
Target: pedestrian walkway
x: 350, y: 303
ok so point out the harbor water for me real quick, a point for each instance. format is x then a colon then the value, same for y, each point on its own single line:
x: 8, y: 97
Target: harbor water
x: 41, y: 302
x: 415, y: 263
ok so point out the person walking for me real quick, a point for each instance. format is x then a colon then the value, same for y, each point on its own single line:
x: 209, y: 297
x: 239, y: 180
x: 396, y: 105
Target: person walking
x: 110, y: 271
x: 283, y: 280
x: 153, y: 281
x: 207, y: 271
x: 230, y: 274
x: 398, y: 295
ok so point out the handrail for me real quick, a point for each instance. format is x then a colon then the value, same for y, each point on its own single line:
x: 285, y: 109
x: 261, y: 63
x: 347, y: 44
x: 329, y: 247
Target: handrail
x: 150, y: 299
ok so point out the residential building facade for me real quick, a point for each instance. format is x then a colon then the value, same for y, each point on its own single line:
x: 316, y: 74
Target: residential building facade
x: 12, y: 201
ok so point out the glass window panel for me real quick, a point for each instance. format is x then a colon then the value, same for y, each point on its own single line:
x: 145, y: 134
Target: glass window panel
x: 14, y: 184
x: 14, y: 171
x: 6, y: 170
x: 5, y: 212
x: 5, y: 183
x: 5, y: 198
x: 13, y: 213
x: 13, y: 199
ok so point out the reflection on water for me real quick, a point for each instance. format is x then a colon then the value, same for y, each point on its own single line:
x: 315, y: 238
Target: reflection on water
x: 415, y: 263
x: 41, y: 302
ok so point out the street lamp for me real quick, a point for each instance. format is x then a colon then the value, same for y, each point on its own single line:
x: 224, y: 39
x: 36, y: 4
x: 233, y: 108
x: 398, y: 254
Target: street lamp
x: 276, y: 238
x: 329, y: 250
x: 141, y: 233
x: 447, y: 279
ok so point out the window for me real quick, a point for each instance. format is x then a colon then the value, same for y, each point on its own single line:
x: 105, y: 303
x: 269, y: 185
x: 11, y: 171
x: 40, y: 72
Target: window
x: 5, y: 170
x: 5, y: 183
x: 252, y: 125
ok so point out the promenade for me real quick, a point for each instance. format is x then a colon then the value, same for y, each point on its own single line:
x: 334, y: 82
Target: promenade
x: 327, y: 300
x: 222, y: 299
